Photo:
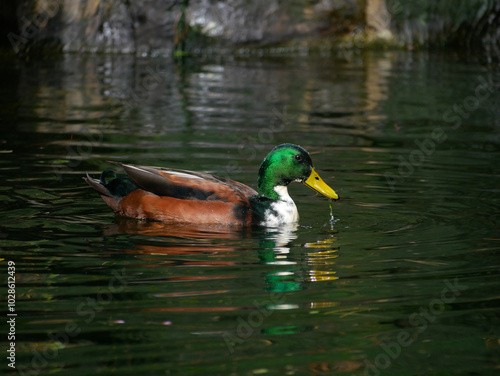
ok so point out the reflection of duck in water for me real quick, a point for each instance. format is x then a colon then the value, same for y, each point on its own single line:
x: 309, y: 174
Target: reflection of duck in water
x: 222, y: 246
x: 315, y: 264
x: 182, y: 196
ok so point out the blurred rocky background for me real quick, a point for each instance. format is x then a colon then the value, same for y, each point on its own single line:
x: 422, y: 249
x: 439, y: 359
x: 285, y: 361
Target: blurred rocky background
x: 154, y: 26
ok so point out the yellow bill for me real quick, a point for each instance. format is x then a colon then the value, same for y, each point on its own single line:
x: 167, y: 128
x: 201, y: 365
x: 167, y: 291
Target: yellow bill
x: 316, y: 183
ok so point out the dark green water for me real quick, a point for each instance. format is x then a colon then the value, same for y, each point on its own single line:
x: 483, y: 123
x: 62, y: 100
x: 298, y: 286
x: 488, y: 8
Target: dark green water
x: 405, y: 281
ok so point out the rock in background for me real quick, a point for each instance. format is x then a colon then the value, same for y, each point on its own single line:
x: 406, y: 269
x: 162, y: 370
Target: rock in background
x: 152, y: 25
x: 155, y: 26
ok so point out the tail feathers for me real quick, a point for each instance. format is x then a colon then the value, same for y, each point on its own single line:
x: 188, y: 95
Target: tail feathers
x: 113, y: 191
x: 116, y: 188
x: 98, y: 186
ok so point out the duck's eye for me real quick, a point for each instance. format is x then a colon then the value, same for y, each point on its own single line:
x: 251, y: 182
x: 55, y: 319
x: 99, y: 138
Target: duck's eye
x: 298, y: 158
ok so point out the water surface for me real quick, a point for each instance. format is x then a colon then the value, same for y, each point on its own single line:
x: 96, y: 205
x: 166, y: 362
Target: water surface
x: 403, y: 281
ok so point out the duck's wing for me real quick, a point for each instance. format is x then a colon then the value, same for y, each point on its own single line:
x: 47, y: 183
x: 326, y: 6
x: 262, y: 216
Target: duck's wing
x: 187, y: 185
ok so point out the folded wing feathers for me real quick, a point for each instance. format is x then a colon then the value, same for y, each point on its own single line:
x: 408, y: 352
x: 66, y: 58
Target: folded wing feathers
x: 148, y: 179
x: 202, y: 186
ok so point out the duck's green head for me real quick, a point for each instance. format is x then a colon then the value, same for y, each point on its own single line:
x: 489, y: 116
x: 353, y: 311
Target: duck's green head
x: 287, y: 163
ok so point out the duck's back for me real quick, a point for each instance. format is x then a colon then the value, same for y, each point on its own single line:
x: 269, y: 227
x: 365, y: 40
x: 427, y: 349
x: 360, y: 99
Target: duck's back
x: 171, y: 195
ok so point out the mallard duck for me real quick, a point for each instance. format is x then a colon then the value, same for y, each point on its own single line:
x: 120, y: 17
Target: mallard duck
x: 182, y: 196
